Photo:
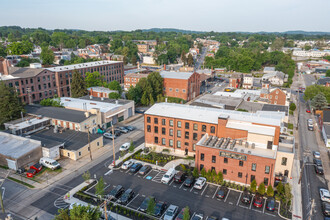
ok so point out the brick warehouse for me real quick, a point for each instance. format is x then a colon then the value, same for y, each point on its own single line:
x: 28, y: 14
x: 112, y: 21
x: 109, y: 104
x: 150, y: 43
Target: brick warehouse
x: 181, y: 128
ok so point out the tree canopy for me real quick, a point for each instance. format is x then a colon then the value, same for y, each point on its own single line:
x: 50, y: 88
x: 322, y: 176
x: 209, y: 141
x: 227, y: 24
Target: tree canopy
x: 94, y: 79
x: 79, y: 212
x: 313, y: 90
x: 319, y: 101
x: 78, y: 85
x: 47, y: 56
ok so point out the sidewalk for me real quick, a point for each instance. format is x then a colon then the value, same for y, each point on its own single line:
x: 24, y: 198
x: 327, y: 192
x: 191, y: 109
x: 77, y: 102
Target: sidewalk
x: 174, y: 163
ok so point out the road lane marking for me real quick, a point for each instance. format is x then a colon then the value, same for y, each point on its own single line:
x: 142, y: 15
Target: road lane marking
x: 264, y: 207
x: 181, y: 186
x: 251, y: 202
x: 239, y: 198
x: 191, y: 188
x: 204, y: 189
x: 227, y: 195
x: 171, y: 182
x: 132, y: 199
x: 147, y: 174
x: 215, y: 192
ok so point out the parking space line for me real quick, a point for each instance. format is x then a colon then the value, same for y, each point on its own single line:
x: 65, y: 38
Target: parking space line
x: 136, y: 173
x: 204, y: 189
x: 132, y: 199
x: 227, y: 195
x: 270, y: 214
x: 263, y: 211
x: 251, y: 202
x: 147, y: 174
x: 107, y: 186
x: 191, y: 188
x: 193, y: 215
x: 239, y: 198
x: 127, y: 171
x: 215, y: 192
x: 171, y: 182
x: 181, y: 185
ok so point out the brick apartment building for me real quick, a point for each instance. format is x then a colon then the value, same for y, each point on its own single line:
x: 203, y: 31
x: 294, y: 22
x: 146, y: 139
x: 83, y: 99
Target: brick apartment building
x: 183, y: 85
x: 35, y: 84
x: 254, y: 137
x: 100, y: 92
x: 236, y: 80
x: 131, y: 79
x: 274, y: 96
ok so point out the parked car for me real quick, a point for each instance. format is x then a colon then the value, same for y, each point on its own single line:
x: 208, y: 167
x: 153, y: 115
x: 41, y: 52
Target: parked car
x: 316, y: 154
x: 270, y: 204
x: 189, y: 181
x: 130, y: 128
x: 324, y: 195
x: 197, y: 217
x: 180, y: 177
x: 159, y: 208
x: 30, y: 173
x: 127, y: 164
x: 222, y: 193
x: 109, y: 136
x: 317, y: 162
x: 116, y: 192
x: 141, y: 111
x: 49, y: 163
x: 123, y: 130
x: 200, y: 182
x: 310, y: 125
x: 168, y: 176
x: 37, y: 167
x: 116, y: 132
x: 319, y: 170
x: 308, y: 110
x: 135, y: 167
x: 144, y: 205
x: 246, y: 197
x: 20, y: 170
x: 145, y: 169
x: 326, y: 209
x: 125, y: 146
x: 126, y: 197
x: 257, y: 202
x: 212, y: 218
x: 181, y: 213
x: 171, y: 212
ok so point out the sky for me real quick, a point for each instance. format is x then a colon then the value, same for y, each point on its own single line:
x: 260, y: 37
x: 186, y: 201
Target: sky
x: 202, y: 15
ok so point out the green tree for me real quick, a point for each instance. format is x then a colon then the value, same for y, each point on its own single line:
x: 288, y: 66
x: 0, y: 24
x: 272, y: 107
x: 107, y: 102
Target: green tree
x: 195, y: 173
x: 78, y: 85
x: 99, y: 188
x: 3, y: 52
x: 313, y: 90
x: 131, y: 147
x: 280, y: 188
x: 47, y: 56
x: 115, y: 85
x: 287, y: 193
x: 327, y: 73
x: 292, y: 106
x: 86, y: 176
x: 79, y: 212
x: 114, y: 95
x: 220, y: 177
x: 186, y: 213
x: 277, y: 44
x: 307, y: 47
x: 261, y: 189
x: 190, y: 60
x: 19, y: 48
x: 94, y: 79
x: 154, y: 84
x: 183, y: 58
x: 134, y: 60
x: 253, y: 186
x: 319, y: 102
x: 151, y: 206
x: 10, y: 104
x: 270, y: 191
x: 151, y: 100
x: 144, y: 99
x: 203, y: 172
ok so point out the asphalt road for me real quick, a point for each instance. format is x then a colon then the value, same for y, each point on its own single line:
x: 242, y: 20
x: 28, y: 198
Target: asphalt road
x: 311, y: 183
x: 200, y: 60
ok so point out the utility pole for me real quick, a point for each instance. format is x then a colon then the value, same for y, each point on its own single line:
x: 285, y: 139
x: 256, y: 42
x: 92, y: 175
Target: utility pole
x: 105, y: 210
x: 113, y: 145
x: 89, y: 145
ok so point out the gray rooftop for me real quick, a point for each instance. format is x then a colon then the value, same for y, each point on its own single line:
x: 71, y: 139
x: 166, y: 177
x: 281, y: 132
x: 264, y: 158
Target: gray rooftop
x: 218, y: 101
x: 73, y: 140
x: 275, y: 108
x: 56, y: 113
x: 106, y: 100
x: 82, y: 65
x: 15, y: 146
x: 323, y: 81
x: 175, y: 75
x: 250, y: 106
x: 24, y: 72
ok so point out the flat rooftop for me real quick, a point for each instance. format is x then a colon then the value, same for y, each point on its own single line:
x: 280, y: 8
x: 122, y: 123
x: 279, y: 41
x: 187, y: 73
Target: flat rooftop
x: 82, y: 65
x: 219, y: 101
x: 113, y: 101
x: 101, y: 89
x: 15, y: 146
x: 210, y: 115
x: 72, y: 140
x: 27, y: 123
x: 175, y: 75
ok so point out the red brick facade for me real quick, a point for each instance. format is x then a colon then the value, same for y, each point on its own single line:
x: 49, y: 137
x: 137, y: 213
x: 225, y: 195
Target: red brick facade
x: 131, y: 79
x: 277, y: 97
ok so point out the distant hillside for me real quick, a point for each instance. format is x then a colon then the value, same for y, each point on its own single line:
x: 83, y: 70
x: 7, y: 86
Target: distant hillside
x: 157, y: 30
x: 307, y: 32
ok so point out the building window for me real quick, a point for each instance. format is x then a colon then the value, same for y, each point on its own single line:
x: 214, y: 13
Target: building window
x: 241, y: 163
x: 195, y: 127
x: 195, y: 136
x: 178, y: 144
x: 171, y: 143
x: 186, y: 135
x: 179, y: 124
x: 177, y: 90
x: 156, y: 129
x: 163, y: 131
x: 214, y: 159
x: 156, y: 120
x: 171, y: 123
x: 212, y: 168
x: 284, y: 161
x: 178, y: 133
x: 148, y: 128
x: 270, y: 97
x: 267, y: 169
x: 186, y: 143
x: 68, y: 154
x: 88, y: 149
x: 212, y: 129
x: 204, y: 128
x: 171, y: 132
x: 194, y: 147
x: 148, y: 119
x: 224, y: 171
x: 266, y: 181
x: 79, y: 153
x: 171, y: 89
x: 254, y: 167
x: 240, y: 174
x: 187, y: 125
x: 163, y: 141
x: 163, y: 122
x: 225, y: 160
x: 201, y: 167
x: 156, y: 140
x: 202, y: 157
x: 253, y: 177
x: 275, y: 97
x: 98, y: 143
x: 183, y: 90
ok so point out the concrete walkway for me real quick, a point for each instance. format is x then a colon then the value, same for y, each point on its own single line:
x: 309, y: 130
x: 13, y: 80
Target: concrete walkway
x: 296, y: 191
x: 174, y: 163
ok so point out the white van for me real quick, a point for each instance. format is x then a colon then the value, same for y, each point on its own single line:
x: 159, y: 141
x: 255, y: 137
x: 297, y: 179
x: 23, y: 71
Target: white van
x: 168, y: 176
x: 49, y: 163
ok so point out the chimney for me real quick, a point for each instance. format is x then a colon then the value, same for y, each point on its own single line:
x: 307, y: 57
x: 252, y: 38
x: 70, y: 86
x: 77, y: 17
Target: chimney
x: 4, y: 65
x: 164, y: 66
x: 90, y: 97
x: 138, y: 65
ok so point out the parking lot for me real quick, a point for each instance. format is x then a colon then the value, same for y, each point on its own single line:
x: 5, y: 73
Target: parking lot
x: 199, y: 201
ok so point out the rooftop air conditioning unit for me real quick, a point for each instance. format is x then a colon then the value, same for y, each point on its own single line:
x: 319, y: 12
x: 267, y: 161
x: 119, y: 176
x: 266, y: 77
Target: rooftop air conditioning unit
x: 242, y: 150
x: 249, y: 152
x: 235, y: 149
x: 246, y: 144
x: 253, y: 145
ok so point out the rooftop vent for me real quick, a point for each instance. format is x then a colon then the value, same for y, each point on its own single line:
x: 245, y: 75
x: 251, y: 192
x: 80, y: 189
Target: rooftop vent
x: 253, y: 145
x: 235, y: 149
x: 249, y: 152
x: 246, y: 144
x: 90, y: 97
x: 240, y: 142
x: 242, y: 150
